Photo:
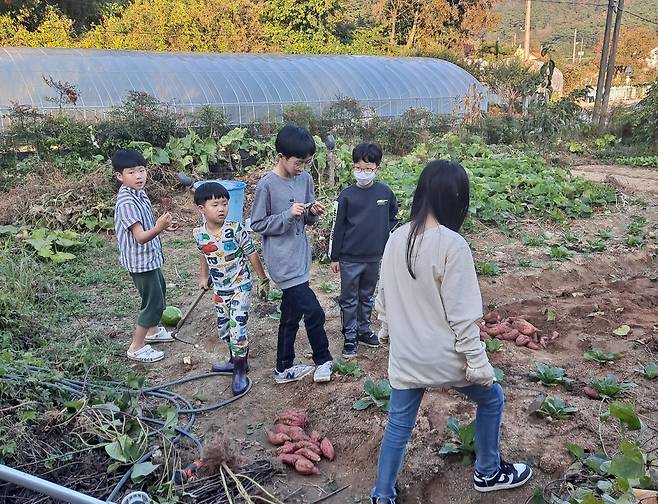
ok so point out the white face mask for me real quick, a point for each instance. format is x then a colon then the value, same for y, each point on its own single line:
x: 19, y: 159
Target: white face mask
x: 363, y: 179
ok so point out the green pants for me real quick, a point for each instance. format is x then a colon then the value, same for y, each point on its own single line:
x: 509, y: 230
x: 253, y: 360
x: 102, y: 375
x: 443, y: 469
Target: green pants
x: 152, y: 288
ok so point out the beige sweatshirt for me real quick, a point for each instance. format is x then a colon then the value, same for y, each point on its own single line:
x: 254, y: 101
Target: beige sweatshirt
x: 431, y: 320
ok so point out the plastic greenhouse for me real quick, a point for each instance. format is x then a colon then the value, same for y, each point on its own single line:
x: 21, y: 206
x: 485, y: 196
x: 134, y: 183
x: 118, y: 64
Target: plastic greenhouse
x: 248, y: 87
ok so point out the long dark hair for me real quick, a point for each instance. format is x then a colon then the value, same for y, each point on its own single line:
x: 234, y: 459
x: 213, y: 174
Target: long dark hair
x: 442, y: 191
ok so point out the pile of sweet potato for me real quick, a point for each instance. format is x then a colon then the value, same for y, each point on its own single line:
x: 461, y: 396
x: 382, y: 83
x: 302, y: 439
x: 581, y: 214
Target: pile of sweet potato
x: 295, y: 447
x: 516, y: 329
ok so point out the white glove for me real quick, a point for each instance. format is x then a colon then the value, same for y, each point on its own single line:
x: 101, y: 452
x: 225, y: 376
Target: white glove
x: 478, y: 369
x: 483, y: 375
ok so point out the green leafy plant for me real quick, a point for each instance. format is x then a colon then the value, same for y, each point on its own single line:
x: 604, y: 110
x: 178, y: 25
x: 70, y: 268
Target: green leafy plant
x: 610, y: 387
x: 275, y: 295
x: 53, y: 245
x: 604, y: 234
x: 192, y: 153
x: 328, y: 287
x: 601, y: 356
x: 493, y: 345
x: 347, y: 368
x: 153, y: 155
x: 549, y: 376
x: 487, y: 269
x: 646, y: 161
x: 554, y: 408
x: 650, y: 371
x: 634, y: 241
x: 560, y: 252
x: 534, y: 240
x: 376, y: 394
x: 463, y: 440
x: 596, y: 245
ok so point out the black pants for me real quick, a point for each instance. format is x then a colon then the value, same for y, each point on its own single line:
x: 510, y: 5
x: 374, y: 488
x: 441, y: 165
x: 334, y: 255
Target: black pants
x: 357, y: 286
x: 300, y: 301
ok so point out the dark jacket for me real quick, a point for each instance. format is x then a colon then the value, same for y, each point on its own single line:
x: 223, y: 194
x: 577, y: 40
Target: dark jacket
x: 364, y: 220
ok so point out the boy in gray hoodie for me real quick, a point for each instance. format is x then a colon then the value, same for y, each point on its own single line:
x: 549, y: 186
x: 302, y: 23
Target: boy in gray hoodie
x: 284, y: 203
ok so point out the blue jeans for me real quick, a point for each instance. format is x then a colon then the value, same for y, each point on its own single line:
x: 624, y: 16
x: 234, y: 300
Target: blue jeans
x: 403, y: 410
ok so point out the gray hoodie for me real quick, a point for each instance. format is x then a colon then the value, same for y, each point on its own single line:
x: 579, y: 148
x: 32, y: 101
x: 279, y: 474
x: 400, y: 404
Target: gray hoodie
x: 286, y: 248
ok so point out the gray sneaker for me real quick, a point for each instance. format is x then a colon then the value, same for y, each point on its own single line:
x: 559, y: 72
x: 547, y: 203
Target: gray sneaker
x: 293, y: 373
x: 323, y: 372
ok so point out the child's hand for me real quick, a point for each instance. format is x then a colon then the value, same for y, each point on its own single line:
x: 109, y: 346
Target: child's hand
x: 164, y: 221
x: 297, y: 209
x: 317, y: 209
x: 335, y: 266
x: 204, y: 283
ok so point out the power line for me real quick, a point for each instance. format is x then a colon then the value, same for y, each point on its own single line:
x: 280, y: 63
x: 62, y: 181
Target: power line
x: 588, y: 4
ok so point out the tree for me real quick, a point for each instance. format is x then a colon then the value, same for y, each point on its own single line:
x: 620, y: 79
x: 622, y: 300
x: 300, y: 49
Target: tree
x: 418, y: 23
x: 181, y: 25
x: 55, y: 30
x: 635, y: 45
x: 512, y: 80
x: 301, y: 26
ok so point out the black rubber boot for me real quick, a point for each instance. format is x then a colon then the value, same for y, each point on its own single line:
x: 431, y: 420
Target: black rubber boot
x: 240, y: 382
x: 224, y: 367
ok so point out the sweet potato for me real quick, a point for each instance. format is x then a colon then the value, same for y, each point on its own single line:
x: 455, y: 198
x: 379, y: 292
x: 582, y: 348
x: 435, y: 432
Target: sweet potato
x: 315, y: 436
x: 555, y: 335
x: 166, y: 203
x: 277, y: 438
x: 492, y: 317
x: 287, y: 447
x: 288, y: 458
x: 295, y: 433
x: 296, y: 418
x: 484, y: 335
x: 591, y: 393
x: 327, y: 449
x: 532, y: 345
x: 499, y: 329
x: 523, y: 326
x: 543, y: 341
x: 510, y: 335
x: 311, y: 445
x: 522, y: 340
x: 309, y: 454
x: 305, y: 466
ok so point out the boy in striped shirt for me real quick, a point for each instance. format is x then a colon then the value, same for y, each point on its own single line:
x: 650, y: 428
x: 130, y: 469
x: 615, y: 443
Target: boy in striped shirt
x: 140, y: 252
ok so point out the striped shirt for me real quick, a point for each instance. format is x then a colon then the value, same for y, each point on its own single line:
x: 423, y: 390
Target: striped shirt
x: 135, y: 206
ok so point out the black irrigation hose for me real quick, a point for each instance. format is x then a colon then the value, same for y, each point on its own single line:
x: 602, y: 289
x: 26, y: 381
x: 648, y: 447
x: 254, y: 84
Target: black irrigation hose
x: 77, y: 388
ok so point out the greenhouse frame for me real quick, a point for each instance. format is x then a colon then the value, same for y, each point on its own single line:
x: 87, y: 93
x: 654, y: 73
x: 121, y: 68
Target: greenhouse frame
x: 247, y: 87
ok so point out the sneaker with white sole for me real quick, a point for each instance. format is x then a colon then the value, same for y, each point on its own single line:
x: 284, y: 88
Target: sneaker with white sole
x: 293, y: 373
x: 162, y: 336
x: 323, y: 372
x: 145, y: 354
x: 508, y: 476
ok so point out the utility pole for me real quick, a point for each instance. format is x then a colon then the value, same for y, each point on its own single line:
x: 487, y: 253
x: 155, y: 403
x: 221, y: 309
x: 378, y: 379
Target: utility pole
x: 603, y: 63
x: 528, y: 7
x: 603, y: 116
x: 575, y: 35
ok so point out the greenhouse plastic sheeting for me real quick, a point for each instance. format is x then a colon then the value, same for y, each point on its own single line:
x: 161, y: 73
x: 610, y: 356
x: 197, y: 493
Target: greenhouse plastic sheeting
x: 247, y: 87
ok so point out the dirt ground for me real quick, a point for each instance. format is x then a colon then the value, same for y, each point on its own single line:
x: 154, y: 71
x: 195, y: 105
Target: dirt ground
x: 591, y: 295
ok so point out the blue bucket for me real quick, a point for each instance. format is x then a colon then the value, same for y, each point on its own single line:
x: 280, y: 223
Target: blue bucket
x: 235, y: 190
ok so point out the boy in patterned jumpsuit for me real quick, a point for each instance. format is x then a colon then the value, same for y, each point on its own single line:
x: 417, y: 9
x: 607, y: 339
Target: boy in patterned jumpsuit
x: 225, y: 248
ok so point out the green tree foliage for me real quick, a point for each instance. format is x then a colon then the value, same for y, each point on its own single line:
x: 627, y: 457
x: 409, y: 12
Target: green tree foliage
x: 303, y: 26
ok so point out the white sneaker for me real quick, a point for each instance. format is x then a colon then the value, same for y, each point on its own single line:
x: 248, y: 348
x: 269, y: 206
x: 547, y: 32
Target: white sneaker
x: 323, y: 373
x: 508, y: 476
x: 293, y: 373
x: 145, y: 354
x: 162, y: 336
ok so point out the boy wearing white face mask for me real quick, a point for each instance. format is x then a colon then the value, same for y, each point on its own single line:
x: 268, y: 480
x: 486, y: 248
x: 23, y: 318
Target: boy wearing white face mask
x: 365, y: 215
